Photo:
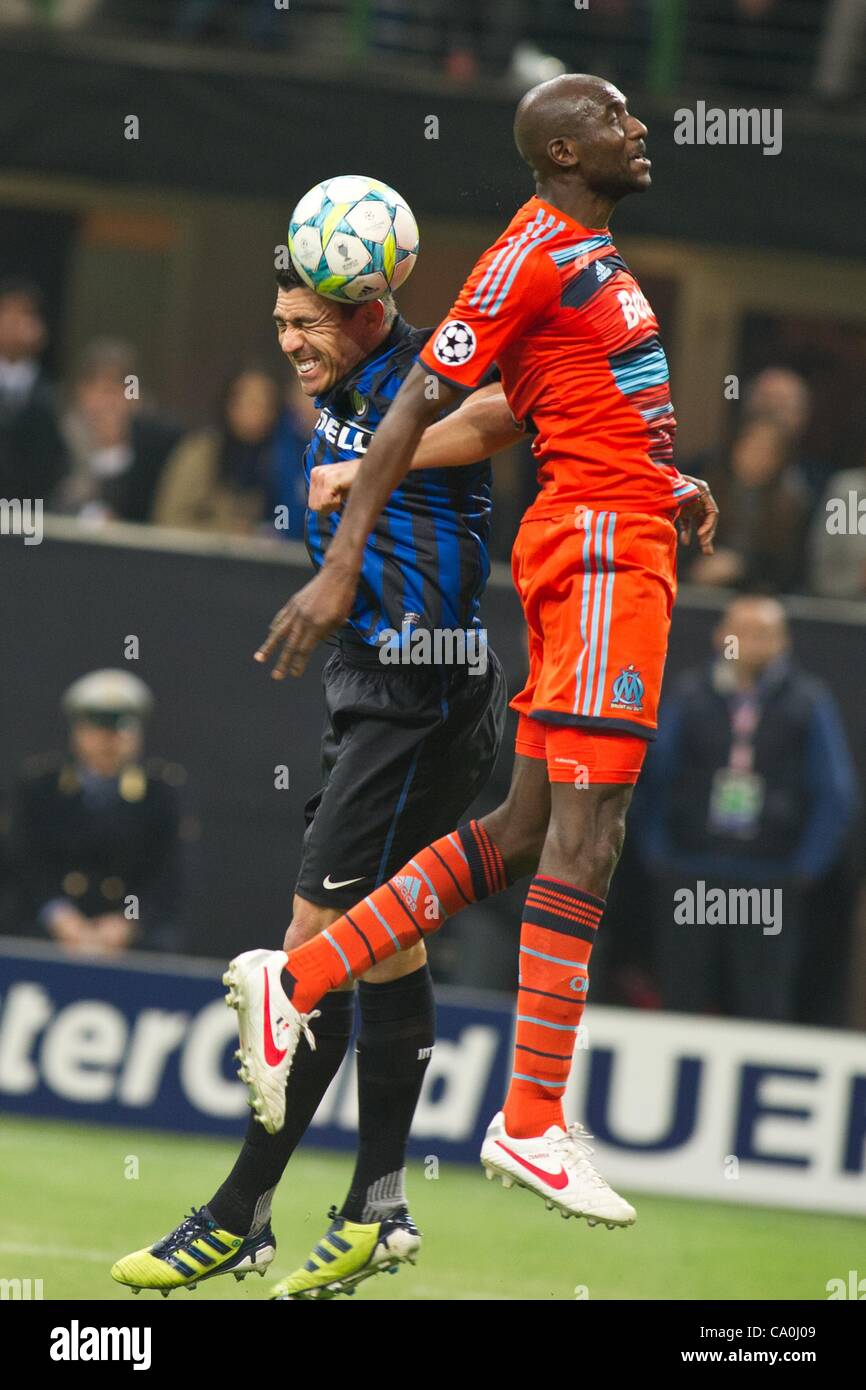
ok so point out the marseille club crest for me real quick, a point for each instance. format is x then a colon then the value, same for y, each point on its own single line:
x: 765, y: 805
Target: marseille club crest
x: 628, y: 690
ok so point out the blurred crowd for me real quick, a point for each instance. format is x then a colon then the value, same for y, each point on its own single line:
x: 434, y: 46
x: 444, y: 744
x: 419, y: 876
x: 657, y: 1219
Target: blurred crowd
x: 99, y: 450
x: 792, y: 45
x: 781, y: 527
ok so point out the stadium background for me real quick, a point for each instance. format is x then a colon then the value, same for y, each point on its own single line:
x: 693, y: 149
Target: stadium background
x: 166, y: 240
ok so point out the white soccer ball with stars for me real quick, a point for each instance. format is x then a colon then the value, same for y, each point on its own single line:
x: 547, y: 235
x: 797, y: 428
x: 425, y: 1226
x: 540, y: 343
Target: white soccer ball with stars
x: 352, y: 238
x: 455, y: 343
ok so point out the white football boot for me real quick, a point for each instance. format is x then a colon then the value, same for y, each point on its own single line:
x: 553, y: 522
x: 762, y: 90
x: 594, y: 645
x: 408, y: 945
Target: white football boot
x: 270, y: 1028
x: 556, y: 1167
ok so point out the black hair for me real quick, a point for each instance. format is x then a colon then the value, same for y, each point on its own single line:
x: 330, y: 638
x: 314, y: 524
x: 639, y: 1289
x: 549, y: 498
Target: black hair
x: 289, y: 279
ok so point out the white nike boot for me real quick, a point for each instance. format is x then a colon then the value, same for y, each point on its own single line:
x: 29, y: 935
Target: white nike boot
x: 556, y: 1167
x: 270, y: 1028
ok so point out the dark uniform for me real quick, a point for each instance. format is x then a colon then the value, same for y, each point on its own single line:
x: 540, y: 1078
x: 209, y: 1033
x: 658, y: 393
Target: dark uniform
x: 96, y: 843
x: 103, y: 844
x: 406, y: 748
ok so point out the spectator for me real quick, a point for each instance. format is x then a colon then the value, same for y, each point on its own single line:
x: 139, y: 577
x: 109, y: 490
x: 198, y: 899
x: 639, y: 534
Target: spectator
x: 93, y: 844
x: 783, y: 395
x: 118, y: 448
x: 837, y: 544
x: 32, y: 454
x: 288, y: 484
x: 750, y: 785
x: 221, y: 479
x: 764, y: 510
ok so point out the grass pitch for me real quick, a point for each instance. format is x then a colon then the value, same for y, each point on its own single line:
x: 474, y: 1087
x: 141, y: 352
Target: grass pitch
x: 70, y: 1210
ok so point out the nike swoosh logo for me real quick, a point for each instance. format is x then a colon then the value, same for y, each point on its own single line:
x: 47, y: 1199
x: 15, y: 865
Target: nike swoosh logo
x: 344, y: 882
x: 555, y: 1180
x: 273, y: 1054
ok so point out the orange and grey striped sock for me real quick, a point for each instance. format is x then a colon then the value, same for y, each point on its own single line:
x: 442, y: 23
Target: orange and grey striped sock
x: 556, y: 936
x: 461, y: 868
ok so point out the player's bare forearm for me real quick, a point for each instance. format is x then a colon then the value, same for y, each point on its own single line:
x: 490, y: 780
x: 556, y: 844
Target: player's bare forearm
x: 482, y: 426
x: 386, y: 464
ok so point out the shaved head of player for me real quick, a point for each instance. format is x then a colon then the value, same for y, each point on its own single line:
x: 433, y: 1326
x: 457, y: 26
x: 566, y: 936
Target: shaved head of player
x: 584, y: 148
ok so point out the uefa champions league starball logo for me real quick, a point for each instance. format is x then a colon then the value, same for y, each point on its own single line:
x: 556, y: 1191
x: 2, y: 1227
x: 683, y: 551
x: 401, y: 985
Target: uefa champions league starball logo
x: 455, y: 344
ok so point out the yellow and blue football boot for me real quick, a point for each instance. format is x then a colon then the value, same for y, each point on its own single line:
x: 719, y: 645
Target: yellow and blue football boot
x: 197, y: 1249
x: 349, y: 1253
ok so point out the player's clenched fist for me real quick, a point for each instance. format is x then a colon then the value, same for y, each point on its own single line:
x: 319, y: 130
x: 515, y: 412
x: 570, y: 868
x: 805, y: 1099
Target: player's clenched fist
x: 700, y: 515
x: 309, y: 617
x: 330, y: 484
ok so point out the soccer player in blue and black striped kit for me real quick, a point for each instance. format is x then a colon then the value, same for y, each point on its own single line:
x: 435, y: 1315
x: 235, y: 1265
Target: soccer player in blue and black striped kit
x: 406, y: 749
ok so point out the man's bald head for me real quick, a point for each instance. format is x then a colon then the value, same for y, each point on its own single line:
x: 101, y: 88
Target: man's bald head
x: 576, y: 128
x: 554, y: 109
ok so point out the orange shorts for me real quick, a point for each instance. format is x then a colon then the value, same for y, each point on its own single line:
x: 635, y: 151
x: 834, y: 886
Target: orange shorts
x: 597, y: 590
x: 581, y: 756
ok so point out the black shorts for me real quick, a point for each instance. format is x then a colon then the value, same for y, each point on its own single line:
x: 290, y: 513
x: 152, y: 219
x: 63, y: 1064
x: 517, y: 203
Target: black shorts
x: 405, y: 751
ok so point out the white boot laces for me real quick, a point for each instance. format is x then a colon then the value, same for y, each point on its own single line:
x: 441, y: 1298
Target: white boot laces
x: 575, y: 1153
x: 306, y: 1020
x: 304, y: 1023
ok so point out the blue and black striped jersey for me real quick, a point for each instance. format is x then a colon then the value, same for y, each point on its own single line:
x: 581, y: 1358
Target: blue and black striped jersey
x: 426, y: 562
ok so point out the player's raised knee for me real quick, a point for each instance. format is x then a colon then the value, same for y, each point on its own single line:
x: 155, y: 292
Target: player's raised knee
x: 308, y: 919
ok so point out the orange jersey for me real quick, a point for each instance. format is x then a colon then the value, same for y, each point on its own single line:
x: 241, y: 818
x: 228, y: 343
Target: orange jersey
x: 554, y: 305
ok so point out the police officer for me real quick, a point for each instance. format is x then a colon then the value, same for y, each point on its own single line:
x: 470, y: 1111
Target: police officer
x: 94, y: 836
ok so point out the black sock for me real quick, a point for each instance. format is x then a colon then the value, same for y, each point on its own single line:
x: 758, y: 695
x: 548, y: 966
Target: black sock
x: 398, y: 1030
x: 243, y: 1204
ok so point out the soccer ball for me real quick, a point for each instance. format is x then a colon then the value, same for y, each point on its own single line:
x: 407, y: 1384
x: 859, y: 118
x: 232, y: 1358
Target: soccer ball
x: 352, y: 238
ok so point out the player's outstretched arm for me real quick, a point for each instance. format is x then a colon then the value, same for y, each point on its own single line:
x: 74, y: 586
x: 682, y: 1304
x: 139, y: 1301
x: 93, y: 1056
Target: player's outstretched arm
x: 483, y: 425
x: 324, y: 604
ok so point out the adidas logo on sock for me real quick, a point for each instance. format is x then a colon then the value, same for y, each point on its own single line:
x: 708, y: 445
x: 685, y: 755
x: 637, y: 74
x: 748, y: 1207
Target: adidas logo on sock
x: 408, y: 888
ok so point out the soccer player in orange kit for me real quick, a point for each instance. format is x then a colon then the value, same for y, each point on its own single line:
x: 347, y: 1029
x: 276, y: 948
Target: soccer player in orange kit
x: 554, y: 305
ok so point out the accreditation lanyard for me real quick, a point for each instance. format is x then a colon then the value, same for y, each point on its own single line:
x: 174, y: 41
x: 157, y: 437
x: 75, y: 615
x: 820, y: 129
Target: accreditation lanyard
x: 737, y: 792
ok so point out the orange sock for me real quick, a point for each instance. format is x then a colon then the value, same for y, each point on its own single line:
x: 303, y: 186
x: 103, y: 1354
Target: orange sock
x: 461, y: 868
x: 556, y: 936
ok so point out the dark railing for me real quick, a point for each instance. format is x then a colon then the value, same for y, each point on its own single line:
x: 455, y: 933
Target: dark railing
x: 802, y: 48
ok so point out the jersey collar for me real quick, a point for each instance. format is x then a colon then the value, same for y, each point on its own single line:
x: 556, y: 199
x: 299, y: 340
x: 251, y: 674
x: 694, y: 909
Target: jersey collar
x: 536, y: 202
